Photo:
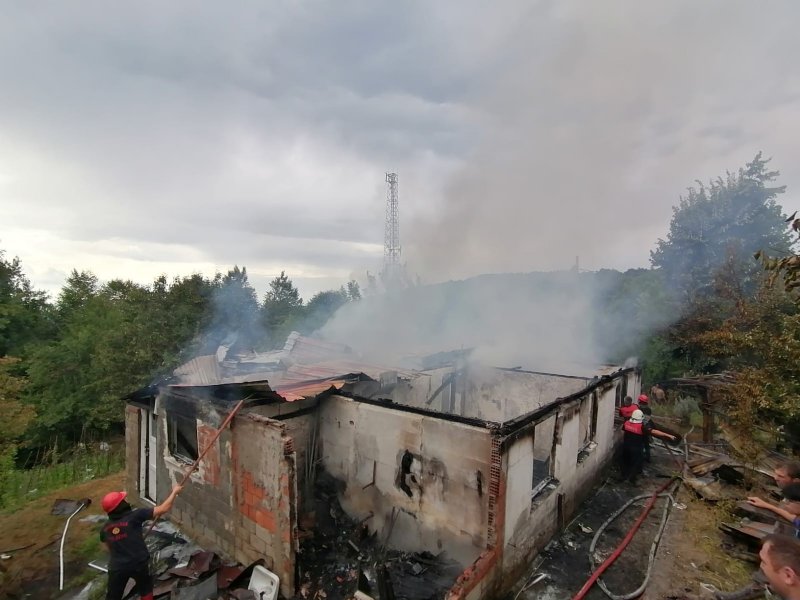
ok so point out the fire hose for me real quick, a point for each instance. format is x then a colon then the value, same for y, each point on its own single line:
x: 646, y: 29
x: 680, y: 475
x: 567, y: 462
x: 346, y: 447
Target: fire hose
x: 595, y: 577
x: 83, y: 504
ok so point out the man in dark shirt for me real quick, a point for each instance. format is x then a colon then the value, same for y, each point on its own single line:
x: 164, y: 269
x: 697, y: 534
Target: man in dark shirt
x: 130, y: 558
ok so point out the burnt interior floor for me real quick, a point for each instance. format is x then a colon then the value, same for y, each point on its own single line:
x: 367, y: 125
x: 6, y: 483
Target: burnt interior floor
x: 339, y: 555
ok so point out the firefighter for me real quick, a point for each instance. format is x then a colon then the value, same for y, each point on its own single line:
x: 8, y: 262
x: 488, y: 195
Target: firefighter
x: 635, y: 430
x: 130, y: 558
x: 643, y: 402
x: 627, y: 408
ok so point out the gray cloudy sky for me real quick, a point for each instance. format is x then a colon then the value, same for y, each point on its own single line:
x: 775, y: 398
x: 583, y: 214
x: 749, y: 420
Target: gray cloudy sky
x: 153, y: 137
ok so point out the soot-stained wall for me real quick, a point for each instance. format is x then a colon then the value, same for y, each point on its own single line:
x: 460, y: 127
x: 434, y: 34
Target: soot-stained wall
x: 432, y: 472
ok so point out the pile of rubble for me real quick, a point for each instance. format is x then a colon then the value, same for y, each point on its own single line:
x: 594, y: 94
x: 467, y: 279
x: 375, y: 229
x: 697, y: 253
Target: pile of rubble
x: 184, y: 571
x: 339, y: 557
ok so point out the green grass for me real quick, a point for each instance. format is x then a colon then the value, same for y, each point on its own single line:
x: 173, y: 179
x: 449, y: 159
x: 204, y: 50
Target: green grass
x: 20, y: 486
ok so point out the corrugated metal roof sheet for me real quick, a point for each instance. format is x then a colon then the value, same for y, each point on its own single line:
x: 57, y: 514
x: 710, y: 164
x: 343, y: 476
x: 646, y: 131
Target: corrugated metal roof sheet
x: 202, y: 370
x: 306, y: 350
x: 303, y: 390
x: 334, y: 368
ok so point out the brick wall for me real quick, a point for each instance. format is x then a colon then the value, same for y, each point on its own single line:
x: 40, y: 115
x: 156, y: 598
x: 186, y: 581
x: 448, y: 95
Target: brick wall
x: 240, y: 503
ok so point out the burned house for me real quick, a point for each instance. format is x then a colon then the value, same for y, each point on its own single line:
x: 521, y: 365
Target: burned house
x: 482, y: 464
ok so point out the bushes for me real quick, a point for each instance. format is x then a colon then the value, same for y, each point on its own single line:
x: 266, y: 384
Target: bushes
x: 18, y: 486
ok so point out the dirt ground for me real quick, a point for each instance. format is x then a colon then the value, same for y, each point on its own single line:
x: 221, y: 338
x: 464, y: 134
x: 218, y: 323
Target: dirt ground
x: 692, y: 550
x: 31, y: 536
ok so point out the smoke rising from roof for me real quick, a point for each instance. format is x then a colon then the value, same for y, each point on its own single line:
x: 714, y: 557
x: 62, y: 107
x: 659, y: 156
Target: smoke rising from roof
x: 597, y: 117
x: 537, y: 321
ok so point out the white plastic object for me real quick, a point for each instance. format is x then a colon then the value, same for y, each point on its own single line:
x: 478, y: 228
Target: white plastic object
x: 264, y: 583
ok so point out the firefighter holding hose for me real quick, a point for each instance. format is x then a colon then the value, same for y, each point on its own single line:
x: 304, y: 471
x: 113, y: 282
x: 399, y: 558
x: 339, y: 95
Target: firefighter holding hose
x: 130, y: 558
x: 633, y: 441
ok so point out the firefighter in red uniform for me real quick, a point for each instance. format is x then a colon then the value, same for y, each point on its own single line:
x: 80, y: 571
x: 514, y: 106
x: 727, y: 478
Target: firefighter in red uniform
x: 130, y: 558
x: 627, y: 408
x: 635, y: 429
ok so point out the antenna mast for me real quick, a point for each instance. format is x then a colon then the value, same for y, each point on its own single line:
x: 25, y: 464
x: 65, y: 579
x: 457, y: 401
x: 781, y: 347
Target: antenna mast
x: 391, y: 238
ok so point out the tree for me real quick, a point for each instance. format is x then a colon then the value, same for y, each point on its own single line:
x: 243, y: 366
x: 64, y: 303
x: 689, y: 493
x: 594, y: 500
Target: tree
x: 77, y: 380
x: 787, y: 266
x: 634, y: 304
x: 16, y: 415
x: 235, y: 311
x: 726, y: 221
x: 282, y: 309
x: 759, y: 344
x: 322, y: 306
x: 353, y: 290
x: 24, y: 313
x: 113, y: 339
x: 78, y: 290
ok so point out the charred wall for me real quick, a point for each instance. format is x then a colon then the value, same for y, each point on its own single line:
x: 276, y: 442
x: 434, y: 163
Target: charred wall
x: 431, y: 473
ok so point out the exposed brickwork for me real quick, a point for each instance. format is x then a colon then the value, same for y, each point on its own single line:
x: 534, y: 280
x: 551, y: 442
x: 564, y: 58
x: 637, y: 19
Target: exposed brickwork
x: 255, y: 502
x: 210, y: 466
x: 478, y: 573
x: 495, y: 499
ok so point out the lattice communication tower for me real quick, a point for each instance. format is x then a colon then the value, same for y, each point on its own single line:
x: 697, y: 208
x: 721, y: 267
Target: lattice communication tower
x: 391, y: 238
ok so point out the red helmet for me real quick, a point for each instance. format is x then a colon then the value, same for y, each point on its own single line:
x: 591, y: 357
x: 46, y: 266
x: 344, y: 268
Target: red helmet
x: 111, y: 500
x: 643, y: 399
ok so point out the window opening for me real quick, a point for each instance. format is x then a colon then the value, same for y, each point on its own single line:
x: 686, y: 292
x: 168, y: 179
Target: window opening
x: 543, y: 454
x: 182, y: 435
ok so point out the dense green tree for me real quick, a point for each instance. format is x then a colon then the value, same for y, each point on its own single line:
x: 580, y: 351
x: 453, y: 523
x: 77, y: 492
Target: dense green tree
x: 235, y: 312
x: 25, y: 315
x: 16, y: 414
x: 727, y: 220
x: 282, y: 309
x: 113, y: 339
x: 72, y: 384
x: 79, y: 289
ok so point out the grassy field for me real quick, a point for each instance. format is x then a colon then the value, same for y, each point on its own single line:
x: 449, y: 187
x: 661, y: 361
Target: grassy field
x: 33, y: 571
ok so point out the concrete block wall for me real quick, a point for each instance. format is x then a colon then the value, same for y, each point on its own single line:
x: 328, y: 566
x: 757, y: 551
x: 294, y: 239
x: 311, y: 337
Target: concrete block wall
x: 519, y: 477
x: 205, y: 508
x: 262, y: 460
x: 443, y: 466
x: 527, y: 531
x: 299, y: 428
x: 240, y: 502
x: 132, y: 453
